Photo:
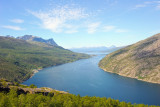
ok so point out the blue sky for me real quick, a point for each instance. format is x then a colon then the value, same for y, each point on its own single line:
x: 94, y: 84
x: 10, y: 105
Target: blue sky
x: 81, y: 23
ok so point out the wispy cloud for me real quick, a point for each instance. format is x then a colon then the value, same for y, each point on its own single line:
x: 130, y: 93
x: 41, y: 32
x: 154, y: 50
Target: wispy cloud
x: 108, y: 28
x: 148, y: 3
x: 140, y: 6
x: 71, y: 19
x: 112, y: 28
x: 158, y: 6
x: 17, y: 20
x: 93, y: 27
x: 12, y: 27
x: 112, y: 2
x: 59, y: 18
x: 121, y: 30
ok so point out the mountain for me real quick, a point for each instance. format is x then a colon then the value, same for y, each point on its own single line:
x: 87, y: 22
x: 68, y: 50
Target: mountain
x: 111, y: 47
x: 140, y: 60
x: 94, y: 49
x: 37, y: 39
x: 88, y: 49
x: 19, y: 58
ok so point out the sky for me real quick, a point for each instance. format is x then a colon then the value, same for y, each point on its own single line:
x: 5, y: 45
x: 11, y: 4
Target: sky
x: 81, y: 23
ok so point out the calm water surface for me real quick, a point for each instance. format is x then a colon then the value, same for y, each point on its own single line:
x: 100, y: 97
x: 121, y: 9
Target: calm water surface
x: 84, y: 77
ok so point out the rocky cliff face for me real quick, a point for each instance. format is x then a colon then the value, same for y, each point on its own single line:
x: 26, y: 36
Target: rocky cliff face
x: 140, y: 60
x: 37, y: 39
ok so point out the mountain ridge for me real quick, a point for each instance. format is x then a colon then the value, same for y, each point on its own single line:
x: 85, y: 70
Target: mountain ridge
x: 38, y: 39
x: 19, y: 57
x: 140, y: 60
x: 95, y: 49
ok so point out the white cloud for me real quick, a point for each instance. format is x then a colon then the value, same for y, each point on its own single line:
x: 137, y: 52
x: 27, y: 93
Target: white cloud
x: 69, y: 19
x: 158, y: 6
x: 60, y: 18
x: 140, y: 6
x: 114, y: 29
x: 121, y: 30
x: 108, y: 28
x: 93, y: 27
x: 148, y: 3
x: 17, y: 20
x: 12, y: 27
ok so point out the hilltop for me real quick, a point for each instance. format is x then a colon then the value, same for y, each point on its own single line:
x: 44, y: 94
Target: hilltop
x: 19, y: 58
x: 140, y: 60
x: 38, y: 39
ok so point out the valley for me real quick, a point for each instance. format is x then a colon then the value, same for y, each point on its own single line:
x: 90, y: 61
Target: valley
x: 79, y: 53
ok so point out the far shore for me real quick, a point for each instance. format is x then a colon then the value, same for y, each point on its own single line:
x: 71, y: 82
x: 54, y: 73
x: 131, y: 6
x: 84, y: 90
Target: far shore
x: 34, y: 71
x: 131, y: 77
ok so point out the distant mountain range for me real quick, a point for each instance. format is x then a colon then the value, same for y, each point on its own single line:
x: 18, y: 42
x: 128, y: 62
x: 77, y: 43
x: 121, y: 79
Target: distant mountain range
x: 95, y: 49
x: 38, y: 39
x: 140, y: 60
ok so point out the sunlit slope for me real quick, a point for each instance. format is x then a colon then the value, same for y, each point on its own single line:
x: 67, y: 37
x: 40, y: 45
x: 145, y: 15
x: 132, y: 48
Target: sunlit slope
x: 18, y: 57
x: 140, y: 60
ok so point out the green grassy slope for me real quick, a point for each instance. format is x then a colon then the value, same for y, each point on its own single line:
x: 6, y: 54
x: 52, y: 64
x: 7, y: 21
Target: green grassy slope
x: 18, y: 57
x: 140, y: 60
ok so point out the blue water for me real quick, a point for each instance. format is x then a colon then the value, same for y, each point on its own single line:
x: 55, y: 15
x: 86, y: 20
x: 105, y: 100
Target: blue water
x: 84, y: 77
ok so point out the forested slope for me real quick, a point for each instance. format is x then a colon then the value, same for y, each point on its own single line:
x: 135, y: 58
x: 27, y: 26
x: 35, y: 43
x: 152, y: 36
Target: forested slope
x: 18, y: 57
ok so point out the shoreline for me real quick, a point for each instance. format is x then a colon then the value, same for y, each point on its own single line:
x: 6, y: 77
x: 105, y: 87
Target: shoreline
x: 130, y: 77
x: 34, y: 71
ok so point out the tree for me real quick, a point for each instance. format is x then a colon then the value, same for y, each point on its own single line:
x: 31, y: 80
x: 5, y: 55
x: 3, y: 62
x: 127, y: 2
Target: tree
x: 32, y: 86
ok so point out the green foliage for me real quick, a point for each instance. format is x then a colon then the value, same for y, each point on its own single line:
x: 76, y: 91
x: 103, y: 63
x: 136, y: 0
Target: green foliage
x: 32, y: 86
x: 18, y: 57
x: 12, y: 99
x: 4, y: 84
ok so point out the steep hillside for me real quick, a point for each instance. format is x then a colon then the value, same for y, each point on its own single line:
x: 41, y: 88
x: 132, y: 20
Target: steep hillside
x: 38, y: 39
x: 18, y: 57
x: 140, y: 60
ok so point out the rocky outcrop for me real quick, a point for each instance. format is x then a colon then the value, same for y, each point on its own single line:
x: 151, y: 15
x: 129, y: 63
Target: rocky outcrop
x: 28, y: 90
x: 140, y: 60
x: 6, y: 86
x: 38, y: 39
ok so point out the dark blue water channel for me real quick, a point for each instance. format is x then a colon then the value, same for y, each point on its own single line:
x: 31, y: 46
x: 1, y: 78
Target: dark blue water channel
x: 84, y: 77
